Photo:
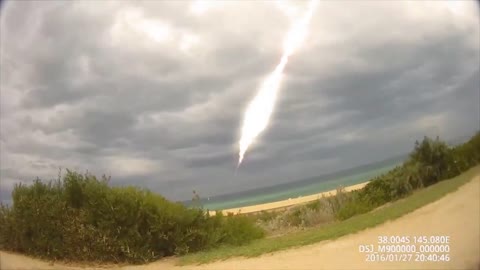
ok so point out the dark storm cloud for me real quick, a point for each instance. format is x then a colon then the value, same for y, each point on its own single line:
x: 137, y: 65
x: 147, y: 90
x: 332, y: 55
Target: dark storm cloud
x: 418, y: 76
x: 97, y: 87
x: 216, y: 160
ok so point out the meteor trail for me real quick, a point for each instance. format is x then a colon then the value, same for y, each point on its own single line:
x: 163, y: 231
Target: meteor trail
x: 260, y: 109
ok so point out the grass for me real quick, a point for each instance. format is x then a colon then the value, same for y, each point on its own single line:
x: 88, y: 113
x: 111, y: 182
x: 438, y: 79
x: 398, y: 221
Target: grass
x: 337, y: 229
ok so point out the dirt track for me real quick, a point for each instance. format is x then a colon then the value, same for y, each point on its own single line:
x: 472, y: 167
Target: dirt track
x: 456, y: 215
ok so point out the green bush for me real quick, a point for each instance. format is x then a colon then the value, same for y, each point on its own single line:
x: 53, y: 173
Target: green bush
x: 238, y: 229
x: 431, y: 161
x: 83, y: 218
x: 352, y: 208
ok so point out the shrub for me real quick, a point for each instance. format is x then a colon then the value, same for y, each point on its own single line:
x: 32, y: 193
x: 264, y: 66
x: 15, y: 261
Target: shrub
x: 430, y: 161
x: 238, y: 230
x: 314, y: 213
x: 352, y: 208
x: 315, y: 217
x: 83, y: 218
x: 264, y: 216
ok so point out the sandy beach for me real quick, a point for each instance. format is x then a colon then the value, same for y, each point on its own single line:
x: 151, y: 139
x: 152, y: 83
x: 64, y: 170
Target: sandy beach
x: 288, y: 202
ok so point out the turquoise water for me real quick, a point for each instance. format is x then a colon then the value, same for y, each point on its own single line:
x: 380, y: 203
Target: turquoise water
x: 296, y: 191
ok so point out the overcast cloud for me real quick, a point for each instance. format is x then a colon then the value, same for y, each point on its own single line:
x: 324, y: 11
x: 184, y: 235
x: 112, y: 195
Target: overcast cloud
x: 153, y: 93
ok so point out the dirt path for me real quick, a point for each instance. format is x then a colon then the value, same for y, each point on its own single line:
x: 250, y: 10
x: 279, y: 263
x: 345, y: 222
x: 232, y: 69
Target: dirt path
x: 456, y: 215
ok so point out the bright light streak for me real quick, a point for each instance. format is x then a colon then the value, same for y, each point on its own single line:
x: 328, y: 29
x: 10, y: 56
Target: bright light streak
x: 257, y: 115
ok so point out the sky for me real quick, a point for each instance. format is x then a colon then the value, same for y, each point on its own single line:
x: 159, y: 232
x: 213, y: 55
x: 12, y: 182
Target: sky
x: 153, y: 93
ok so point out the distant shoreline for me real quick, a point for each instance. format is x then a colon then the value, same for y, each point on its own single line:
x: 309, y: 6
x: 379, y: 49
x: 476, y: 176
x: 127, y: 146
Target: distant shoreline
x: 288, y: 202
x: 311, y: 180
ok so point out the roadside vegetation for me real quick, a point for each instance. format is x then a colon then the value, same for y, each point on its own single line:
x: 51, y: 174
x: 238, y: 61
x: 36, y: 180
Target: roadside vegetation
x: 430, y: 161
x: 82, y: 218
x: 335, y: 229
x: 79, y: 217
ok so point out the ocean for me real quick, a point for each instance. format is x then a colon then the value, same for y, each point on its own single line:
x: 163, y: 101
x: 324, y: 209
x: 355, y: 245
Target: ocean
x: 299, y: 188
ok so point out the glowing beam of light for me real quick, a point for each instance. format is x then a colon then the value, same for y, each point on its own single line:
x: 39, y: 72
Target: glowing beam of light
x: 257, y: 115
